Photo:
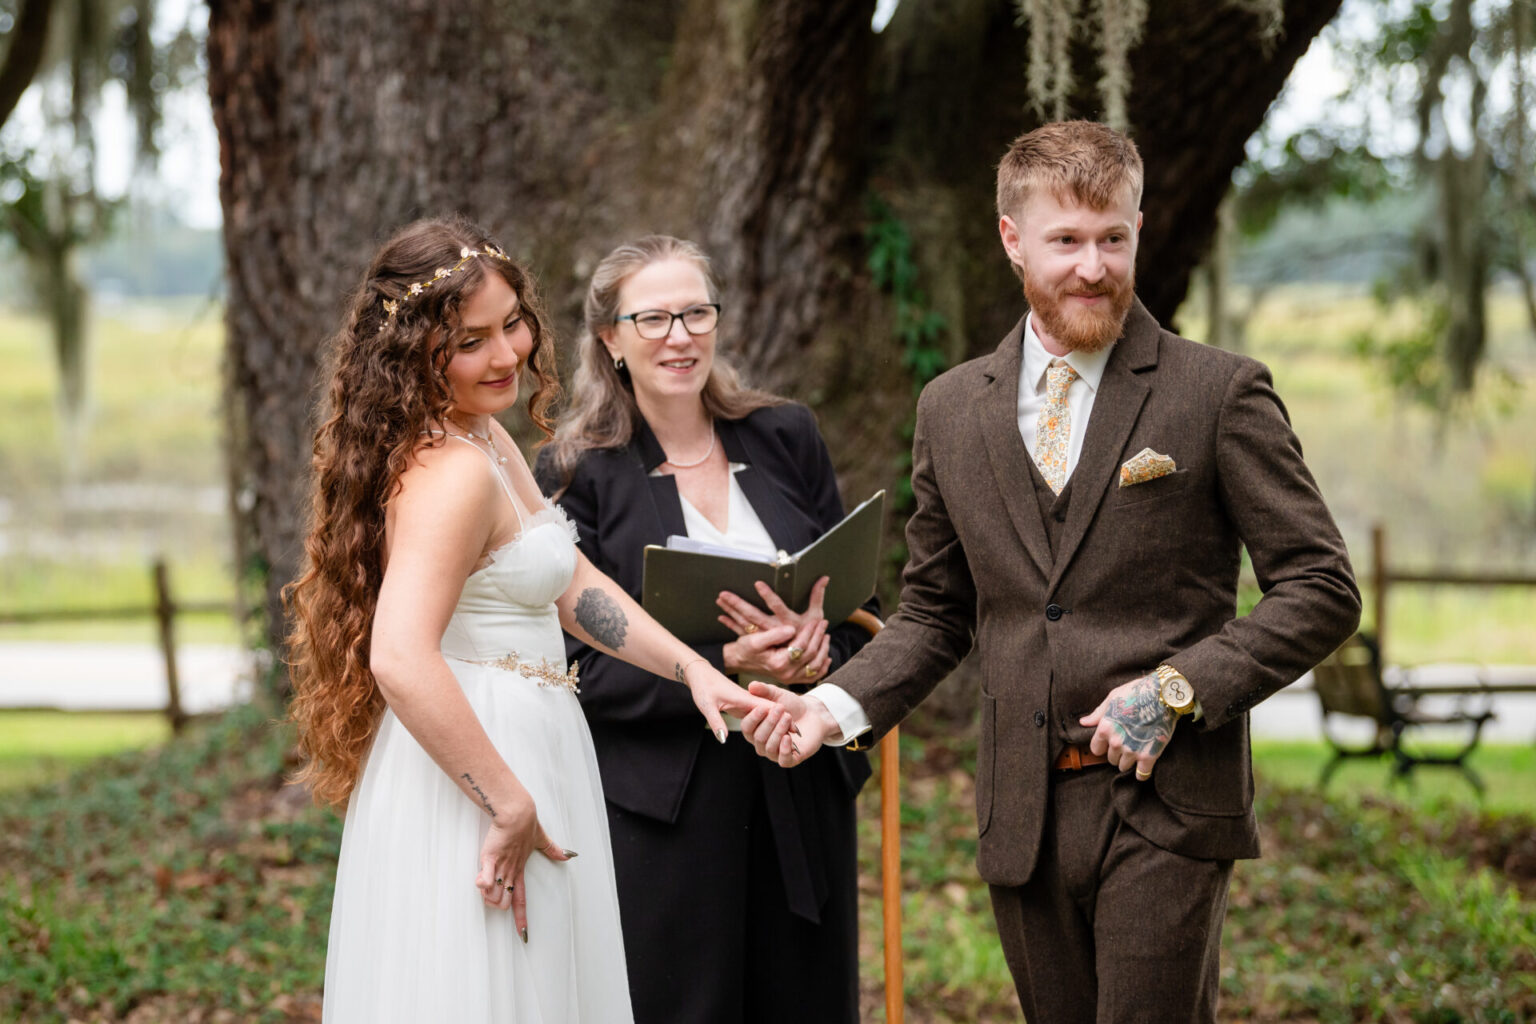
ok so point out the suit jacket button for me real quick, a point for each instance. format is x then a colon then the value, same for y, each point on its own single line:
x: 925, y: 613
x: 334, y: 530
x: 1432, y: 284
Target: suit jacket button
x: 1040, y: 719
x: 1053, y: 612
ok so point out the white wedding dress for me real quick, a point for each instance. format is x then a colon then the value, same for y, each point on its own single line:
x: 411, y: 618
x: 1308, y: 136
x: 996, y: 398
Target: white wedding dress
x: 411, y: 942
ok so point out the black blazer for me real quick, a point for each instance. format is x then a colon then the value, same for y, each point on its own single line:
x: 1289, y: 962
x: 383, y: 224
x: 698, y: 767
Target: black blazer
x: 646, y: 730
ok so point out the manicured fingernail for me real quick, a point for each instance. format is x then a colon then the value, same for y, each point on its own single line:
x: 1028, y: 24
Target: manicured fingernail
x: 525, y: 936
x: 571, y: 855
x: 720, y: 734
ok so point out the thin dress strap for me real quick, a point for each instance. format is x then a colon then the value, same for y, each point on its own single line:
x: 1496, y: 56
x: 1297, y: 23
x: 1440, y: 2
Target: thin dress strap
x: 500, y: 477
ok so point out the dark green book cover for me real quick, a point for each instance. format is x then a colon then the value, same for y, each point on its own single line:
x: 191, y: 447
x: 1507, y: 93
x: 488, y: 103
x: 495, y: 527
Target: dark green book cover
x: 680, y: 587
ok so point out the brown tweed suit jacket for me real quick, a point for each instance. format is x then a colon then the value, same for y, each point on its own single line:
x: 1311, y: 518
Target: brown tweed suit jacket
x: 1141, y: 575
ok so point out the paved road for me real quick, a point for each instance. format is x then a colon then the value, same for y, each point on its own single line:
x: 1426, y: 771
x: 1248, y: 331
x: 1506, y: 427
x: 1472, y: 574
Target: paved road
x: 80, y: 677
x: 86, y: 676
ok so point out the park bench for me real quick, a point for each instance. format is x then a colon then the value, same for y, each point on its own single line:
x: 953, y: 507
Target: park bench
x: 1349, y: 684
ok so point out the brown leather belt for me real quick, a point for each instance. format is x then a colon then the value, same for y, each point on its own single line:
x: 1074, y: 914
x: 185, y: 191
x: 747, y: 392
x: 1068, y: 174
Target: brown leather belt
x: 1076, y: 757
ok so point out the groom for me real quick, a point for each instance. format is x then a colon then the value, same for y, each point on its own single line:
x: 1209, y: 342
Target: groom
x: 1083, y: 497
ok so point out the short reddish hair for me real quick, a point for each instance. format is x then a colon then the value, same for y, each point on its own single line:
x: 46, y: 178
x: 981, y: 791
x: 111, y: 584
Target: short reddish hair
x: 1083, y: 161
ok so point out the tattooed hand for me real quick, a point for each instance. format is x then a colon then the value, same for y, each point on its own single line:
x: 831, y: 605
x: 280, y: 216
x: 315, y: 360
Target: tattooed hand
x: 1132, y: 726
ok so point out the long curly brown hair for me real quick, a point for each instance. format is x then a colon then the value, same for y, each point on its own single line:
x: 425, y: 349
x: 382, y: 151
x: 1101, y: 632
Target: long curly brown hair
x: 386, y: 385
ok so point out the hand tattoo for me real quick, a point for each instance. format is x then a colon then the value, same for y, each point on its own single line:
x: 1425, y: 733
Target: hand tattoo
x: 1142, y: 721
x: 475, y: 788
x: 602, y: 618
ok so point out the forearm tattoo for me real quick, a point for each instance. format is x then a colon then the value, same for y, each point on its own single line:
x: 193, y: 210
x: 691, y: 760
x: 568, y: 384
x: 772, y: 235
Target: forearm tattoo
x: 474, y: 788
x: 602, y: 618
x: 1140, y: 717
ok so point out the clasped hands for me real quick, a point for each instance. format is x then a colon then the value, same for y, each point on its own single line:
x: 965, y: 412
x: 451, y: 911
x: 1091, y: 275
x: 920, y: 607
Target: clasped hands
x: 779, y: 644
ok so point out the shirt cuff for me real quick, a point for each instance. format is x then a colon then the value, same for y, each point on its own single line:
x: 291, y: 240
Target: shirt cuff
x: 850, y: 717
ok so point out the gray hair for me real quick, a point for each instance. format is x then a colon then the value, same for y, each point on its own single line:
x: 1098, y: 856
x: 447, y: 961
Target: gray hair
x: 603, y: 411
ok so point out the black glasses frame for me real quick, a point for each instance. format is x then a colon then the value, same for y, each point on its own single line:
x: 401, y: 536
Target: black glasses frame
x: 675, y: 317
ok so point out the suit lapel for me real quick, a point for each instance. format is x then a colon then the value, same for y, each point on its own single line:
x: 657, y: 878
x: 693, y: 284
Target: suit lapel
x: 767, y: 500
x: 998, y: 412
x: 665, y: 501
x: 1122, y: 392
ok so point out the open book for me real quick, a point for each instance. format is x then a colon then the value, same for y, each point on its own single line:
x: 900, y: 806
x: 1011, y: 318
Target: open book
x: 683, y: 579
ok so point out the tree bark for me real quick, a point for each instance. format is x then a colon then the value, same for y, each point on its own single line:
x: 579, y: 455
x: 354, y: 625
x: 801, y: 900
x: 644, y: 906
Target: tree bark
x: 757, y: 127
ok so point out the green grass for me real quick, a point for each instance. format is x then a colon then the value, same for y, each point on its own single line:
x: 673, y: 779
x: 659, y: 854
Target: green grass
x: 1507, y: 770
x: 187, y: 883
x: 181, y: 884
x: 36, y: 746
x: 1369, y: 903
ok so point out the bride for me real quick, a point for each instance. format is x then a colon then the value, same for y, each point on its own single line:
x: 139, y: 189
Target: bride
x: 430, y: 690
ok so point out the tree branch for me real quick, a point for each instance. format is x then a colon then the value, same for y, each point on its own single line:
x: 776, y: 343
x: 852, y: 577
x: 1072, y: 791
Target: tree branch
x: 25, y: 54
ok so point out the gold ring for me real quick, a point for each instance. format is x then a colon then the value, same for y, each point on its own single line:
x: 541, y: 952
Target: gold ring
x: 810, y: 672
x: 511, y: 887
x: 1142, y: 777
x: 751, y: 627
x: 795, y: 654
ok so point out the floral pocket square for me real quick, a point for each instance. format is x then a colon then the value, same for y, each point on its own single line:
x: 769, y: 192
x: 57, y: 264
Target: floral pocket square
x: 1143, y: 466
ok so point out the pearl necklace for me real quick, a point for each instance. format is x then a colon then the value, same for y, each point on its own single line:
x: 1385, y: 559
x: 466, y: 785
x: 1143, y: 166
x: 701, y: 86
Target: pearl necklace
x: 699, y: 461
x: 490, y: 442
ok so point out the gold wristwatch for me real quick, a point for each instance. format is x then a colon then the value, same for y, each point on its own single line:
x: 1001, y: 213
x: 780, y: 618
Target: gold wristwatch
x: 1174, y: 692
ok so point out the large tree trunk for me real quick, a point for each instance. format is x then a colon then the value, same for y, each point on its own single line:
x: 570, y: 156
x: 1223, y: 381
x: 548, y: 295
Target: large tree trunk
x: 757, y: 127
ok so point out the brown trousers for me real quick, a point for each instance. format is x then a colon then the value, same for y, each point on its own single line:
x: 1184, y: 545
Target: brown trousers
x: 1111, y: 928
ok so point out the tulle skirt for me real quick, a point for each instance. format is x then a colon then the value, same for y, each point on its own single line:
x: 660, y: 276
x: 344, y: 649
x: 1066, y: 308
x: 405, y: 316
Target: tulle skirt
x: 411, y: 940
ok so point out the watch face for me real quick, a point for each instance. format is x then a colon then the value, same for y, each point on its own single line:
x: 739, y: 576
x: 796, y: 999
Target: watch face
x: 1177, y: 692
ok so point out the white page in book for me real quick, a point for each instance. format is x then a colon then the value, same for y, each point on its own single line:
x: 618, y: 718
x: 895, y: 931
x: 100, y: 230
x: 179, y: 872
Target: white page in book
x: 679, y: 542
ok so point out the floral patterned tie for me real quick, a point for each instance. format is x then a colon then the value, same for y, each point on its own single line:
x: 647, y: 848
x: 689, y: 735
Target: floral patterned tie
x: 1054, y: 428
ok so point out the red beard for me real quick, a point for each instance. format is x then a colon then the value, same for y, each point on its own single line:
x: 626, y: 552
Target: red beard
x: 1081, y: 330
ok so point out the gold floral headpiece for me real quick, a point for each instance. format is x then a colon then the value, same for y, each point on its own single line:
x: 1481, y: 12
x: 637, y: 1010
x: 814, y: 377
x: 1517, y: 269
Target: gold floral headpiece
x: 392, y: 306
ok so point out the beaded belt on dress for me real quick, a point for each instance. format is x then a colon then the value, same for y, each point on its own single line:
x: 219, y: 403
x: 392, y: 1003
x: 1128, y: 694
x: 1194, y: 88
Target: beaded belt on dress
x: 543, y: 671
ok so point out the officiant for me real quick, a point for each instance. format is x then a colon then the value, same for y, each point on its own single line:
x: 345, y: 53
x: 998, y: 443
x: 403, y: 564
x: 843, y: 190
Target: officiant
x: 727, y: 865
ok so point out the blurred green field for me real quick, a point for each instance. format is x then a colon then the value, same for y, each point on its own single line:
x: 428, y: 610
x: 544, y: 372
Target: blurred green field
x: 79, y: 524
x: 36, y: 746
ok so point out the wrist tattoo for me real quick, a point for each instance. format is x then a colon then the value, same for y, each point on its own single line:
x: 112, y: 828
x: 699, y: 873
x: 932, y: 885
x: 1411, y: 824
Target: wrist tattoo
x: 1142, y: 721
x: 602, y: 618
x: 474, y: 788
x: 679, y: 670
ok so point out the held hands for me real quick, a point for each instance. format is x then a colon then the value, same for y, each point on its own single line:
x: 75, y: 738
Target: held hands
x: 513, y: 837
x: 714, y: 693
x: 1132, y: 726
x: 781, y: 644
x: 788, y: 728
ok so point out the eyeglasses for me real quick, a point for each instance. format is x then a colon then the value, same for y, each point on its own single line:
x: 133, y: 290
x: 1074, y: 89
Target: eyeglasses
x: 655, y: 324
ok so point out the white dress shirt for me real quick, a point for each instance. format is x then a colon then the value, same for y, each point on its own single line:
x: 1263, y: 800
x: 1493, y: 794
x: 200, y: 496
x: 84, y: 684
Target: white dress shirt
x: 1034, y: 361
x: 744, y: 531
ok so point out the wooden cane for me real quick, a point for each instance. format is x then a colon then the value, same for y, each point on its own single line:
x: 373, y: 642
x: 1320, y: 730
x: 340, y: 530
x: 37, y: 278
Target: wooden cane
x: 890, y: 871
x: 890, y: 851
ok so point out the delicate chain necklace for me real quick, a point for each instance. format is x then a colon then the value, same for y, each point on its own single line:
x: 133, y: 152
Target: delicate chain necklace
x: 489, y: 441
x: 699, y: 461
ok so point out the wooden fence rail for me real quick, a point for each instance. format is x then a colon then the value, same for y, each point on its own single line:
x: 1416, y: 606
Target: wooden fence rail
x: 1383, y: 577
x: 164, y: 611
